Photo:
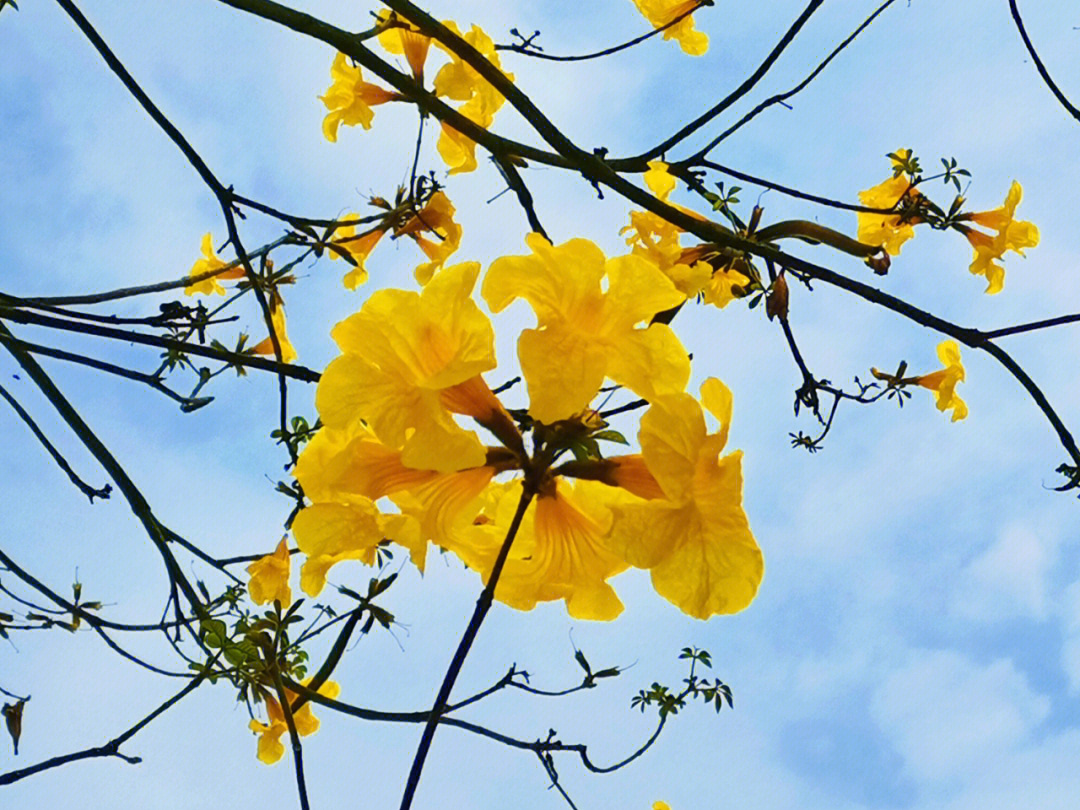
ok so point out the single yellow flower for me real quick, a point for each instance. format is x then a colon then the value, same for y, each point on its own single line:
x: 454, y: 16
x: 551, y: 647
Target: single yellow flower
x: 358, y: 247
x: 209, y: 263
x: 662, y: 12
x: 270, y: 577
x: 400, y: 351
x: 659, y: 181
x: 585, y: 333
x: 266, y: 345
x: 343, y: 472
x: 270, y: 749
x: 350, y: 98
x: 333, y: 532
x: 943, y: 382
x: 405, y: 39
x: 695, y: 539
x: 889, y: 231
x: 1011, y: 235
x: 460, y: 82
x: 558, y: 553
x: 720, y: 288
x: 436, y: 218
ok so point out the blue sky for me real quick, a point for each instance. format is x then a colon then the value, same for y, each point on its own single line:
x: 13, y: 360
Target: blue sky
x: 916, y: 642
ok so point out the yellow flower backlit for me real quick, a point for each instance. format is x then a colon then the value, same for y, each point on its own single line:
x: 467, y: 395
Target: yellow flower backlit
x: 943, y: 382
x: 460, y: 82
x: 662, y: 12
x: 270, y: 748
x: 405, y: 39
x: 654, y: 238
x: 266, y: 345
x: 435, y: 218
x: 1011, y: 235
x: 344, y: 472
x: 400, y: 351
x: 585, y: 333
x: 209, y: 263
x: 695, y: 539
x: 270, y: 577
x: 350, y: 98
x: 358, y: 246
x: 558, y: 553
x: 889, y: 231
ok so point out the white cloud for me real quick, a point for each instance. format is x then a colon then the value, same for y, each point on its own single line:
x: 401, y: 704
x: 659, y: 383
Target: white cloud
x: 1011, y: 578
x: 950, y: 718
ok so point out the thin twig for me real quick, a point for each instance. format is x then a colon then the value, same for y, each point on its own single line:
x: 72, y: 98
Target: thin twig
x: 740, y: 91
x: 61, y: 462
x: 1060, y: 96
x: 232, y: 358
x: 111, y: 748
x: 782, y: 97
x: 524, y: 48
x: 483, y: 605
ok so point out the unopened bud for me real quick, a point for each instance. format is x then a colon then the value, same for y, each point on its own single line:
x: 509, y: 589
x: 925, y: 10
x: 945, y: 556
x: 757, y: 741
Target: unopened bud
x: 776, y: 305
x: 879, y: 263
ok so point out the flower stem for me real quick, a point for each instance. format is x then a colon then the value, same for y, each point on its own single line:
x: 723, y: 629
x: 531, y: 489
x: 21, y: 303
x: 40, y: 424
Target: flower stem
x: 483, y: 604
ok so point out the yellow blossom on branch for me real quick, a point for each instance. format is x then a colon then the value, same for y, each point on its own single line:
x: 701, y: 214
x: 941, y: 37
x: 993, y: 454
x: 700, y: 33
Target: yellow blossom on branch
x: 266, y: 345
x: 1011, y: 235
x: 270, y: 749
x: 585, y: 333
x: 400, y: 351
x: 459, y: 81
x: 404, y: 38
x: 350, y: 98
x: 208, y: 264
x: 654, y: 238
x: 344, y: 473
x: 270, y: 577
x: 663, y: 12
x: 435, y: 218
x: 694, y: 538
x: 659, y: 180
x: 357, y: 246
x: 943, y: 382
x: 890, y: 231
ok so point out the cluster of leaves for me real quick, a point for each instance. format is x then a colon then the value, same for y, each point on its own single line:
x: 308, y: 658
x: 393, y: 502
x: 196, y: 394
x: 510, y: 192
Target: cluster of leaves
x: 667, y: 702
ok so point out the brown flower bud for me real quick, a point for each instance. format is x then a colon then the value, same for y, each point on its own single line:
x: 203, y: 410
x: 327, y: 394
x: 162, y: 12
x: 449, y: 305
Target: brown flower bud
x: 776, y: 304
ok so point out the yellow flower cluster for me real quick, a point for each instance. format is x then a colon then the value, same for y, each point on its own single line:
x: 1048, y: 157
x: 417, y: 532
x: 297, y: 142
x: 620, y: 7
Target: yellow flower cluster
x: 412, y: 365
x: 350, y: 98
x: 890, y: 231
x: 654, y: 238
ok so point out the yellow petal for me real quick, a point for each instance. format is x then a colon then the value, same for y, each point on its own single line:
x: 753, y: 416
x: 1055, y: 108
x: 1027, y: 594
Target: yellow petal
x: 270, y: 577
x: 329, y: 533
x: 650, y: 362
x: 559, y: 283
x: 672, y: 433
x: 658, y: 180
x: 717, y: 567
x: 717, y: 399
x: 563, y: 370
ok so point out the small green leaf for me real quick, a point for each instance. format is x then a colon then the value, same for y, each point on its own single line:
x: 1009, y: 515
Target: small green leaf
x: 610, y: 436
